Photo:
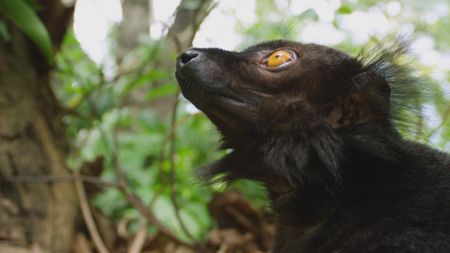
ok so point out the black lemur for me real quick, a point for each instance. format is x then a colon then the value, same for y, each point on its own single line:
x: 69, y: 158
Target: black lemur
x: 319, y: 129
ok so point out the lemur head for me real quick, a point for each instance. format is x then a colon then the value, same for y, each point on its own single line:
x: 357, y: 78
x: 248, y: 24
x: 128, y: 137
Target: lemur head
x: 282, y: 93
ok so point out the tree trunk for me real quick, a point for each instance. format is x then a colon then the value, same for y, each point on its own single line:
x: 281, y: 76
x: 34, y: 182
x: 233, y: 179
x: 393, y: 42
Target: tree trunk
x: 35, y: 216
x: 135, y: 23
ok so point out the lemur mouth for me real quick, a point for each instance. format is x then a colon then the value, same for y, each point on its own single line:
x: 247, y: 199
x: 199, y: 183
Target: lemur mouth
x: 229, y: 99
x: 224, y: 108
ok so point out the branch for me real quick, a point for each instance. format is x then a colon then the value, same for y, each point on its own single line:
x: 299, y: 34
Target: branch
x: 186, y: 24
x: 134, y: 200
x: 87, y: 216
x: 122, y: 185
x: 201, y: 16
x: 172, y: 151
x: 138, y: 241
x: 51, y: 179
x: 444, y: 120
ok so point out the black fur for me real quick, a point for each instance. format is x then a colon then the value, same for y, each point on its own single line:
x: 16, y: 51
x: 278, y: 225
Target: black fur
x: 321, y: 134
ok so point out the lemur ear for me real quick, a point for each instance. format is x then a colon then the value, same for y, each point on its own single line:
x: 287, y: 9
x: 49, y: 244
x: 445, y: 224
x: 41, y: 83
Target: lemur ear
x: 367, y: 101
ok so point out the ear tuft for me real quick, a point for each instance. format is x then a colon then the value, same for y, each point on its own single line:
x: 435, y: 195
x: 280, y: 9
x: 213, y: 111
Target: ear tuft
x: 387, y: 87
x: 390, y: 61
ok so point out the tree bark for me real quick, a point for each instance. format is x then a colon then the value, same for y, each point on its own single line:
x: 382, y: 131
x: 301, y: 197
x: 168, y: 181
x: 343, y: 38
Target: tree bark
x: 135, y: 23
x: 188, y: 18
x: 34, y: 217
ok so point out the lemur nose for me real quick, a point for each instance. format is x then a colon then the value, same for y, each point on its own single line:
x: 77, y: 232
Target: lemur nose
x: 187, y: 56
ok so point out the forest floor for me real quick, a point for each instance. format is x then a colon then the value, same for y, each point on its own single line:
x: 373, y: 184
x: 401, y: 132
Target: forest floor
x: 240, y: 228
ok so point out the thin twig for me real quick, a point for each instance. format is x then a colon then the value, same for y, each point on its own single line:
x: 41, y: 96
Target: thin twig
x: 445, y: 117
x: 87, y: 216
x: 139, y: 239
x: 172, y: 152
x: 134, y: 200
x: 54, y: 179
x: 223, y: 248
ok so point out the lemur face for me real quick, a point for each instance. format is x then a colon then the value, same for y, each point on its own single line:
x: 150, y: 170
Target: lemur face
x: 279, y: 86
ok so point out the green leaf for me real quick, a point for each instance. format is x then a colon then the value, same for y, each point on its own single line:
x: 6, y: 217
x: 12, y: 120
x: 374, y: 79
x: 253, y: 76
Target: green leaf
x: 162, y: 91
x: 345, y: 9
x: 4, y: 33
x: 190, y: 4
x: 23, y: 16
x: 145, y: 80
x: 308, y: 14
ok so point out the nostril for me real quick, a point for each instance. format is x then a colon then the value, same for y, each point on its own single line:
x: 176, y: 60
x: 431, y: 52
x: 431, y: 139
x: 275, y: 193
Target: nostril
x: 188, y: 56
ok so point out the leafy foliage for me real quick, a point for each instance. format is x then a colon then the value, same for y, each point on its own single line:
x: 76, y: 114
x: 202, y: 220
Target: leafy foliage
x: 23, y: 16
x: 104, y: 123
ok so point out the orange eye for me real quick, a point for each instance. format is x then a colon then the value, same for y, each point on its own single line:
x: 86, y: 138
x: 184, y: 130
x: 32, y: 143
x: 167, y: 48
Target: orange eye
x: 278, y: 58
